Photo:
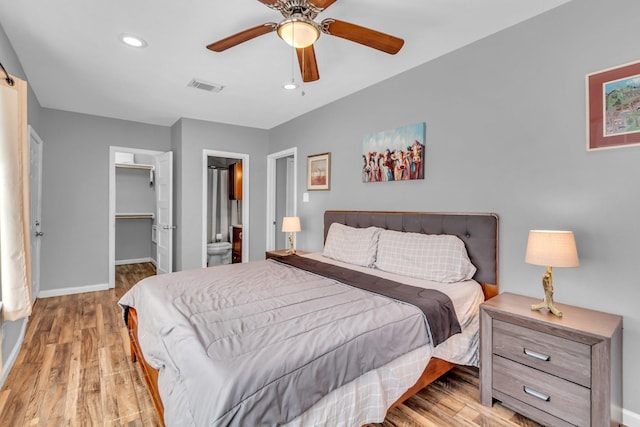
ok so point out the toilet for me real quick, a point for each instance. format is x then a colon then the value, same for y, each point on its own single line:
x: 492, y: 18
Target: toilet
x: 218, y: 253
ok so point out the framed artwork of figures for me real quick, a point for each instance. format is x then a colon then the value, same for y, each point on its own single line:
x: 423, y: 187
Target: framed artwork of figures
x: 394, y: 155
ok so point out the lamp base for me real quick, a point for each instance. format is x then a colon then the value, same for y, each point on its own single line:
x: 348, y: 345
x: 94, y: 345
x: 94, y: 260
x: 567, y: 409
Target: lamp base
x: 548, y: 305
x: 291, y: 249
x: 547, y: 284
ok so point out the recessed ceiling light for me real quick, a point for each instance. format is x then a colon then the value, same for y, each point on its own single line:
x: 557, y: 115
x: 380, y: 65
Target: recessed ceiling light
x: 133, y: 41
x: 290, y: 86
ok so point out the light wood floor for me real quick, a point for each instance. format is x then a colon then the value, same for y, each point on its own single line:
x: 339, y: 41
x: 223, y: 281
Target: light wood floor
x: 74, y: 369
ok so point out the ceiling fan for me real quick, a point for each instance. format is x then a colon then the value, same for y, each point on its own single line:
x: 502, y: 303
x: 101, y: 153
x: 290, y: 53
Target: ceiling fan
x: 299, y: 30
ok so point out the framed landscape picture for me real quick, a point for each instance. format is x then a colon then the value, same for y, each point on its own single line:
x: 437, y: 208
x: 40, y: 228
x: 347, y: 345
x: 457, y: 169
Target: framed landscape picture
x: 613, y: 107
x: 318, y: 171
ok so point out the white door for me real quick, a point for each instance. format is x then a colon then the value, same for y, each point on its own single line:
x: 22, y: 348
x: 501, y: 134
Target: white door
x: 290, y: 206
x: 164, y: 207
x: 290, y: 180
x: 35, y: 195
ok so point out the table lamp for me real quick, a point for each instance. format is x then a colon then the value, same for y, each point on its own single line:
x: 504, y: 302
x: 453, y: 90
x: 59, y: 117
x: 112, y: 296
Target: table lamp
x: 291, y: 224
x: 551, y: 248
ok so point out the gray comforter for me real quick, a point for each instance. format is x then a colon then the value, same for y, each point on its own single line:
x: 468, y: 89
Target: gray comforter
x: 259, y: 343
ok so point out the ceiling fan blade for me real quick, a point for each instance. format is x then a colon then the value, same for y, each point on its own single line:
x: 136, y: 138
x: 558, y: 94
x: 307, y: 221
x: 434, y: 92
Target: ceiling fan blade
x: 242, y: 36
x: 362, y: 35
x: 321, y: 4
x: 308, y: 64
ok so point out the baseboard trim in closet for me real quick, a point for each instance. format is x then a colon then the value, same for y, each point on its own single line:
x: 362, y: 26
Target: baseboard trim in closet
x: 136, y: 261
x: 75, y: 290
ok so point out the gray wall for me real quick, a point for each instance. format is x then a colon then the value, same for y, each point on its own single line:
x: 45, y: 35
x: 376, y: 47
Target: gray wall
x: 505, y: 133
x: 133, y: 239
x: 195, y: 136
x: 75, y: 203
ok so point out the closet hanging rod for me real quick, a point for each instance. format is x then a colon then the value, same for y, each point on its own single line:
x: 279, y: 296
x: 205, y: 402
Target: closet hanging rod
x: 134, y: 166
x: 8, y: 78
x: 135, y: 216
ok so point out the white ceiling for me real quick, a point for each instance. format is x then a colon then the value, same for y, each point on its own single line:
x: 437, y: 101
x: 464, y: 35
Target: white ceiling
x: 71, y: 54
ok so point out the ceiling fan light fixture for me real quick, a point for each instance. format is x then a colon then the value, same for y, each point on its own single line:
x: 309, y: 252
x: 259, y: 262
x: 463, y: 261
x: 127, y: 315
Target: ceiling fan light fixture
x: 298, y: 32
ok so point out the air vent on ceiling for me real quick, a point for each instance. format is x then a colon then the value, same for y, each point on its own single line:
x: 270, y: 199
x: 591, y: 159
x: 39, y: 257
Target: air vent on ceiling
x: 209, y: 87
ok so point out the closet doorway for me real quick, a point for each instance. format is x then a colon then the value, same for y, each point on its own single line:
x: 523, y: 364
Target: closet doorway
x: 225, y: 207
x: 140, y: 208
x: 282, y: 170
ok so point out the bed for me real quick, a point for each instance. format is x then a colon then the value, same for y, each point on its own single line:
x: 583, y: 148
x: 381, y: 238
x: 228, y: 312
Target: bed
x: 388, y: 375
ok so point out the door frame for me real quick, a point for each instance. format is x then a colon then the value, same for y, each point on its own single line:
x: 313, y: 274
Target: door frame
x: 164, y: 227
x: 37, y: 250
x: 206, y: 153
x: 112, y: 203
x: 271, y: 192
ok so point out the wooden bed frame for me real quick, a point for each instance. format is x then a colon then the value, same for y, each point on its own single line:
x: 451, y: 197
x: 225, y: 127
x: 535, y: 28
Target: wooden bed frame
x: 478, y: 231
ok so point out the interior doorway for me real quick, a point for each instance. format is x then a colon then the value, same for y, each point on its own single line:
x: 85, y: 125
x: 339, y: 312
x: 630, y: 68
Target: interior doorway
x: 282, y: 170
x: 140, y: 209
x: 225, y: 207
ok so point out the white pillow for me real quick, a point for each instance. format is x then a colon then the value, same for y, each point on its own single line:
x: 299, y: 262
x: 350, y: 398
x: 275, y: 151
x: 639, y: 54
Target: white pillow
x: 437, y: 257
x: 352, y: 245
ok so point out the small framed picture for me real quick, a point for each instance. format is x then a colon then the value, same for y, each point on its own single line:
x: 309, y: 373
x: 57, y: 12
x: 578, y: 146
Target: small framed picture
x: 318, y: 171
x: 613, y: 107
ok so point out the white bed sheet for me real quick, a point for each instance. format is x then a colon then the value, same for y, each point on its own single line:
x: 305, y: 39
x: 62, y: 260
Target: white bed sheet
x: 367, y: 398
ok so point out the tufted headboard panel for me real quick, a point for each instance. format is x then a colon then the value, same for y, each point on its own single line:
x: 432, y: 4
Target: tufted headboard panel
x: 479, y: 232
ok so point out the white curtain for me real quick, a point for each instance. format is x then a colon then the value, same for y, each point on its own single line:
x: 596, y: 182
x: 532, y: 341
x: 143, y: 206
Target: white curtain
x: 223, y: 212
x: 15, y: 255
x: 213, y: 173
x: 219, y: 204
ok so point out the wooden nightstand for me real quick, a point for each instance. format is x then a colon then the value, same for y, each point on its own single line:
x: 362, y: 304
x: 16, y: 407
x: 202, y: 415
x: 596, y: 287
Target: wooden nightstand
x: 281, y: 252
x: 560, y: 371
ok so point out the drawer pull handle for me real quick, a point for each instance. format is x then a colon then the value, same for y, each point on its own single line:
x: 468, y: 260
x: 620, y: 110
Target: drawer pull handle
x: 536, y: 394
x: 537, y: 355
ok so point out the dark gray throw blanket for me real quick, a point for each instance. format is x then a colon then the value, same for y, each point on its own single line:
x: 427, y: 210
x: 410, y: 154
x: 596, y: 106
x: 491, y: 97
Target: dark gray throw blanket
x: 436, y: 306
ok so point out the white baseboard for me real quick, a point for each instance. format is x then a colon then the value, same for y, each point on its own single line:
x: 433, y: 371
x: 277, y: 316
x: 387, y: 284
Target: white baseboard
x: 75, y: 290
x: 8, y: 364
x: 136, y: 261
x: 630, y: 419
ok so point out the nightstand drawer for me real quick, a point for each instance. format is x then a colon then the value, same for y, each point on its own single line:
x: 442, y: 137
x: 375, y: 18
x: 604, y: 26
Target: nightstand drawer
x: 564, y: 358
x: 548, y: 393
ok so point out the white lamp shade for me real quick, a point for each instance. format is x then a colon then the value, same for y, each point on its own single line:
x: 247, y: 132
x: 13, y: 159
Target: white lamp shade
x: 298, y: 32
x: 290, y: 224
x: 552, y: 248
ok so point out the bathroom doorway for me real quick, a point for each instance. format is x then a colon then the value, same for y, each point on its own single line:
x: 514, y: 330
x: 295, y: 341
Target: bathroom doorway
x: 225, y: 208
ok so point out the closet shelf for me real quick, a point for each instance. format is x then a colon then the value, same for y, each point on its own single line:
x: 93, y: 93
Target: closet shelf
x: 135, y: 166
x: 143, y: 215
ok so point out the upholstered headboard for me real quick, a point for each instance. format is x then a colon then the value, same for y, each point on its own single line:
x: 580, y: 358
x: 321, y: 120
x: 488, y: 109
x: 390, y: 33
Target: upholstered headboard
x: 479, y: 232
